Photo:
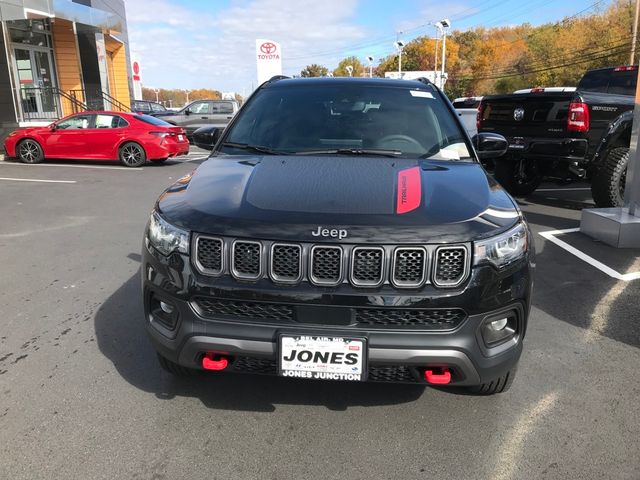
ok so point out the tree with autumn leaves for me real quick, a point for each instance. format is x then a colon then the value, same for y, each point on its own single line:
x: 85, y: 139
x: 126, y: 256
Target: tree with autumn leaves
x: 484, y: 61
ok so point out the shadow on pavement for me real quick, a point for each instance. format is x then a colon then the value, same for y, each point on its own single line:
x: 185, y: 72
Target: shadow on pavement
x: 573, y: 291
x: 121, y: 337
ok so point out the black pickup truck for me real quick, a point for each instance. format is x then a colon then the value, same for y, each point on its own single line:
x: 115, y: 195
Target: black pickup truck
x: 565, y: 134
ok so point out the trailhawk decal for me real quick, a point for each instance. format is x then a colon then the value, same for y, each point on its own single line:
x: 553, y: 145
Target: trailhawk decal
x: 409, y: 190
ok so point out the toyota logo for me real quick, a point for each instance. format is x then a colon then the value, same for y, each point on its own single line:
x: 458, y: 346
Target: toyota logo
x: 268, y: 48
x: 518, y: 114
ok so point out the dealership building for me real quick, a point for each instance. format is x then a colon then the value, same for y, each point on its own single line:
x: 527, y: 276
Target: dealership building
x: 59, y: 57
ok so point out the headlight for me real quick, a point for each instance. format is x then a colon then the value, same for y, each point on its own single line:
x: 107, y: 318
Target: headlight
x: 165, y: 237
x: 503, y: 249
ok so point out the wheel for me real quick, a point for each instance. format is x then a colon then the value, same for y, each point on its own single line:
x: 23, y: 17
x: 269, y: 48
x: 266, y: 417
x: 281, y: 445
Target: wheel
x: 497, y: 385
x: 175, y: 369
x: 132, y: 155
x: 30, y: 151
x: 519, y: 177
x: 607, y: 187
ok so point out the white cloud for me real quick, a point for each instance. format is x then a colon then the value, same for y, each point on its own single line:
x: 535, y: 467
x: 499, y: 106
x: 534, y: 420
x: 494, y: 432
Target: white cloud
x: 184, y: 48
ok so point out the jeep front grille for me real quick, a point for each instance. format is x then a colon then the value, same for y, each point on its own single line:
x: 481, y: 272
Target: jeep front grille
x: 326, y: 265
x: 433, y: 319
x: 367, y: 266
x: 246, y: 263
x: 409, y: 267
x: 213, y: 307
x: 450, y: 267
x: 209, y: 255
x: 286, y: 263
x: 363, y: 266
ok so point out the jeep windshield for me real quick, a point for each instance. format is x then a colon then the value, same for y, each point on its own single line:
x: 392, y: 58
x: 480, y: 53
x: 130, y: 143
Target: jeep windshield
x: 342, y: 119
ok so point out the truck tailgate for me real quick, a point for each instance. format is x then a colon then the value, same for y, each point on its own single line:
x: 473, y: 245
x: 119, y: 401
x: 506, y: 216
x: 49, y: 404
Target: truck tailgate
x: 529, y: 115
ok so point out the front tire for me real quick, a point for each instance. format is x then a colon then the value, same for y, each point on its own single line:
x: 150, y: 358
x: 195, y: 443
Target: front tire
x: 29, y: 151
x: 132, y: 155
x: 607, y: 187
x: 495, y: 386
x: 519, y: 177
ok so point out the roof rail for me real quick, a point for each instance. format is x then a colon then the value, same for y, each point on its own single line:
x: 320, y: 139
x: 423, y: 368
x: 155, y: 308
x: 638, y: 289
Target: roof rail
x: 425, y: 80
x: 275, y: 78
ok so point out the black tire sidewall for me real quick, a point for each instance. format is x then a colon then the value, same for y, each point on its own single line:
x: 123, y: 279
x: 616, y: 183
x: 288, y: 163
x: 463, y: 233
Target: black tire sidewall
x: 505, y: 174
x: 605, y: 187
x: 140, y: 163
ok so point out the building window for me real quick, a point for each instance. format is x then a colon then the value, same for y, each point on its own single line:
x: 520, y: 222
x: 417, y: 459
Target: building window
x: 30, y: 32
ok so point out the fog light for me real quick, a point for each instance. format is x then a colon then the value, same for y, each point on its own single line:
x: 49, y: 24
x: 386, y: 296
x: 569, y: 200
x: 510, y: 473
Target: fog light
x: 163, y: 312
x: 496, y: 325
x: 499, y: 329
x: 166, y: 308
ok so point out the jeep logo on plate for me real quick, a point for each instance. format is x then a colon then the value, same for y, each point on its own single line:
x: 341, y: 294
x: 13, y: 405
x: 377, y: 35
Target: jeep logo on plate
x: 518, y: 114
x: 332, y: 233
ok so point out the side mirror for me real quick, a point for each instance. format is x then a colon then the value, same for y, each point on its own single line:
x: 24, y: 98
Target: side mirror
x: 187, y: 112
x: 489, y: 145
x: 206, y: 137
x: 53, y: 127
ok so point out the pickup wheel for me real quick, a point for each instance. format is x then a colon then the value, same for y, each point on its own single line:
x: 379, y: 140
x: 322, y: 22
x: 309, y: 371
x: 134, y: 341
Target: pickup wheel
x: 607, y: 187
x: 497, y: 385
x: 520, y: 177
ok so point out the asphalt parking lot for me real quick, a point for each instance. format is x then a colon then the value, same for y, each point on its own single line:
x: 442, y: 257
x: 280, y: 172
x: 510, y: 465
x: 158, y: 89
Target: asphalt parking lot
x: 82, y: 396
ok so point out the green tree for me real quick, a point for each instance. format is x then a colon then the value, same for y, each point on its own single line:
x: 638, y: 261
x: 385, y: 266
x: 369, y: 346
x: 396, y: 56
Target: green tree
x: 358, y: 68
x: 314, y: 70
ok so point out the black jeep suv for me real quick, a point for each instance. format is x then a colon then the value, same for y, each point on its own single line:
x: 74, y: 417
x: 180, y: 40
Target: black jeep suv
x: 342, y: 229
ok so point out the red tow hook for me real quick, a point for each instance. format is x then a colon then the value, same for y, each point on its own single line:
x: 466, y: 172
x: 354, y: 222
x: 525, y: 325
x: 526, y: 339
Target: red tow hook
x: 214, y: 362
x: 438, y: 376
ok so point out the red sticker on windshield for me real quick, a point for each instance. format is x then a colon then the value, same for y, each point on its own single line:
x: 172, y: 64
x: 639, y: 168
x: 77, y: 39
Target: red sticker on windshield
x: 409, y: 190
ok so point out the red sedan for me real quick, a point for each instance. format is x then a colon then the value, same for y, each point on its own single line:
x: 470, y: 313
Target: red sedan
x: 132, y: 139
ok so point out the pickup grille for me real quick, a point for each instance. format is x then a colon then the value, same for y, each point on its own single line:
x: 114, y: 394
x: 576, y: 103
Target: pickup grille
x: 363, y: 266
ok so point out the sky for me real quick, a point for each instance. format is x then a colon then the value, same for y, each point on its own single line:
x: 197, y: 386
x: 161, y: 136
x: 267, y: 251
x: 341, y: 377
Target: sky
x: 190, y: 44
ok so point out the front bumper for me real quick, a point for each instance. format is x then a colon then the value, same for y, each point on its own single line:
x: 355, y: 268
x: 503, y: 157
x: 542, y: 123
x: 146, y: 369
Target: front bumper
x: 394, y: 354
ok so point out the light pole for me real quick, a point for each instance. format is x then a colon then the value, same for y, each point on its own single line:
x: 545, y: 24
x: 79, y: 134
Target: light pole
x: 445, y: 24
x: 399, y: 46
x: 349, y: 69
x: 370, y: 60
x: 187, y: 94
x: 157, y: 95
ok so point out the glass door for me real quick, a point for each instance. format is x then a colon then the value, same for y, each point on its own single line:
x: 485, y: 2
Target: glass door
x: 35, y: 75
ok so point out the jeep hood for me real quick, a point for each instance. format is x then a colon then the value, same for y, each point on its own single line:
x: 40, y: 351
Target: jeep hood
x: 375, y: 199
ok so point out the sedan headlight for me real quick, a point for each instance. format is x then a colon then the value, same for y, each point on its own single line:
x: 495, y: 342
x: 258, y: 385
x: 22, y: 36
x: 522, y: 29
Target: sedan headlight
x: 503, y: 249
x: 166, y: 238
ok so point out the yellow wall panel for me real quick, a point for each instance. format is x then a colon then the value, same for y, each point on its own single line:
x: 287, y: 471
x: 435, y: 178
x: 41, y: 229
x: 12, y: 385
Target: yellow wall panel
x: 67, y: 62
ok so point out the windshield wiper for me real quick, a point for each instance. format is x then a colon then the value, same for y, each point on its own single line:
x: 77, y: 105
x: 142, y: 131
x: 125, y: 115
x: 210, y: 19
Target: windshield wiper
x: 255, y: 148
x: 352, y: 151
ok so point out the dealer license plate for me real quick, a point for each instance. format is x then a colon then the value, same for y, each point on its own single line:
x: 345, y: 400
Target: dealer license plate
x: 323, y: 358
x: 181, y: 138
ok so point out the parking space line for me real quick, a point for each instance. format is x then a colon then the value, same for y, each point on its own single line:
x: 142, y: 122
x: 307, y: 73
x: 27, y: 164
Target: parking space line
x: 96, y: 167
x: 551, y: 236
x: 581, y: 189
x: 36, y: 180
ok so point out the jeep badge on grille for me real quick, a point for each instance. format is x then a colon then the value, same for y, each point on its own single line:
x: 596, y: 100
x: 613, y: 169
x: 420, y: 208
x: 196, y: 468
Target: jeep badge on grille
x: 326, y: 232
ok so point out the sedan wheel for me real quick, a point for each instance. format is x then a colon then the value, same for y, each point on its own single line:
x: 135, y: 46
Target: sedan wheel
x: 132, y: 155
x: 30, y: 151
